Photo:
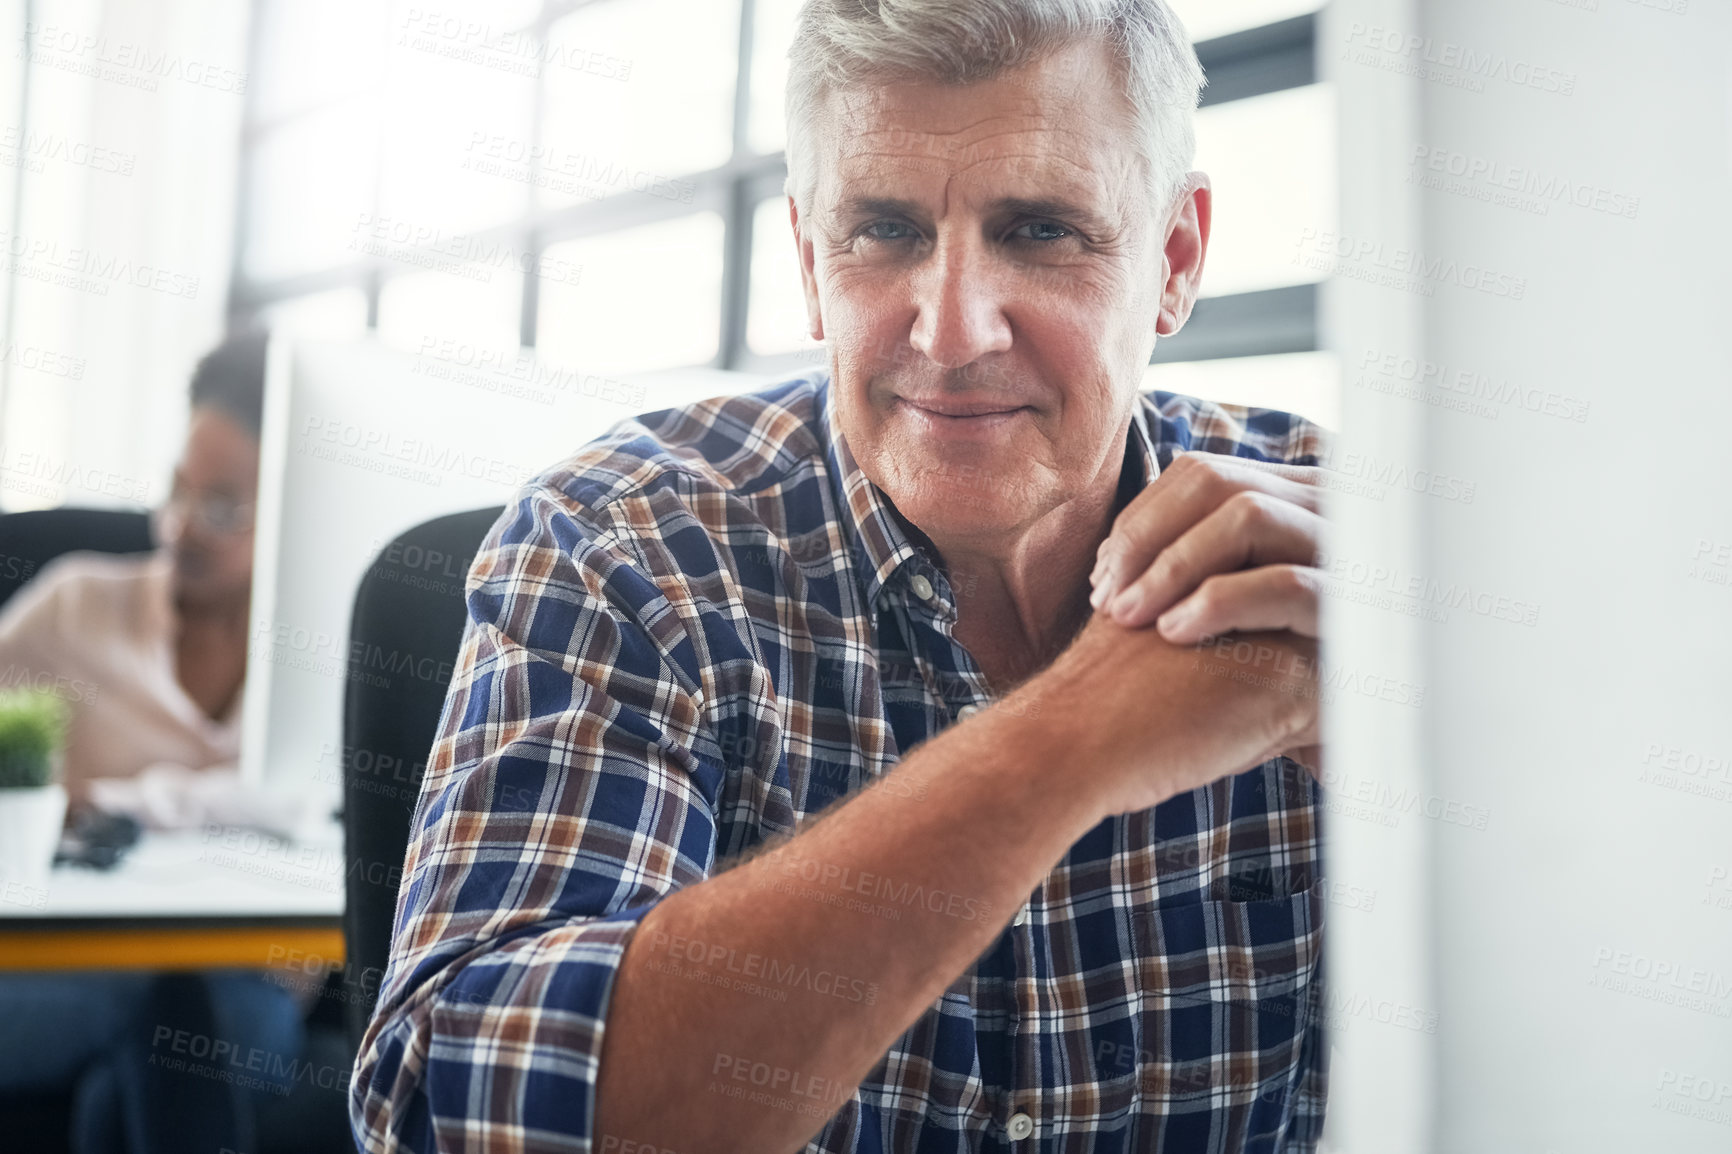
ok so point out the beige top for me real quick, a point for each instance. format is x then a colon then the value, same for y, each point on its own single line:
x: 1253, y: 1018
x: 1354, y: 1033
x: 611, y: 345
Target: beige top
x: 98, y: 630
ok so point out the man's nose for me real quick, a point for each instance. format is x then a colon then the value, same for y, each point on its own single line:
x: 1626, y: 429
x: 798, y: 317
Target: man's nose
x: 959, y: 305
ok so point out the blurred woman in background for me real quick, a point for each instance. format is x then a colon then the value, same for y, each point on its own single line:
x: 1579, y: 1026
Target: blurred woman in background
x: 162, y: 636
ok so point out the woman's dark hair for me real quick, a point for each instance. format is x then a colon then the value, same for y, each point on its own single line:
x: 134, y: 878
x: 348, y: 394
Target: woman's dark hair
x: 231, y: 378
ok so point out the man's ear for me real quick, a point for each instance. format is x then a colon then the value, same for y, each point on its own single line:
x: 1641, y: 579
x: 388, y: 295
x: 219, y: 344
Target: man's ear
x: 808, y: 277
x: 1187, y: 242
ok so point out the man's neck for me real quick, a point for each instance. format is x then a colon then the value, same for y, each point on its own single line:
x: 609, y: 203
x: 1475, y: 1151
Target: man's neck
x: 1021, y: 602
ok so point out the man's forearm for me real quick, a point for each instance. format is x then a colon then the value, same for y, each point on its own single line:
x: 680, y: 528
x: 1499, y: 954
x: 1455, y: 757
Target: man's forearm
x: 787, y: 978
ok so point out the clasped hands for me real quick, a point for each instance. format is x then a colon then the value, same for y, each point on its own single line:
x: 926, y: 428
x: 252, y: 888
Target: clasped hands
x: 1217, y: 544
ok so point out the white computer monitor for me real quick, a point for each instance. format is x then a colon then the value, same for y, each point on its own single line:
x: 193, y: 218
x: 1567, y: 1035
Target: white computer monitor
x: 361, y: 442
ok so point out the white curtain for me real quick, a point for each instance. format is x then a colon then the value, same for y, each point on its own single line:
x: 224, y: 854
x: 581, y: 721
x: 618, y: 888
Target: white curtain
x: 117, y: 207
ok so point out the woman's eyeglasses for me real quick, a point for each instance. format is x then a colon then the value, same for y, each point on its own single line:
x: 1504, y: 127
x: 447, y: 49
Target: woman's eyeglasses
x: 215, y: 513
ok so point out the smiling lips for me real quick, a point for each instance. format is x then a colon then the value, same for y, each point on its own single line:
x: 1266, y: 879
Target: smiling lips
x: 949, y: 408
x: 948, y: 417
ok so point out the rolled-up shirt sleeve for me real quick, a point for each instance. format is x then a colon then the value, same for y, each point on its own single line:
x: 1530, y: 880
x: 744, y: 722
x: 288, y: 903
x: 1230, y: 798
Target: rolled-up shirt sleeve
x: 571, y: 787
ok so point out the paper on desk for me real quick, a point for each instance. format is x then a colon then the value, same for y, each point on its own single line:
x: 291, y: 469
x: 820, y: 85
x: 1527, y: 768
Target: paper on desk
x: 166, y: 796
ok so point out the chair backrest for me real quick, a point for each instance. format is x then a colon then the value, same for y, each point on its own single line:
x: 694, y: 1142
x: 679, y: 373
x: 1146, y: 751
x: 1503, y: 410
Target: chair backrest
x: 28, y: 541
x: 404, y: 637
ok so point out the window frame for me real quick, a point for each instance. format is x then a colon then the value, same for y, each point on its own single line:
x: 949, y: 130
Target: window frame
x: 1269, y: 58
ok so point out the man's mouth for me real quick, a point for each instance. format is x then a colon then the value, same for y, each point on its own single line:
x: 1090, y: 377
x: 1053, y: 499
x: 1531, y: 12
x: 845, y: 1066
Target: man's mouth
x: 967, y: 420
x: 949, y: 407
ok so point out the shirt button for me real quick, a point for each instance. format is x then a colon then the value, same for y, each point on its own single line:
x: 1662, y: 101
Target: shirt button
x: 1020, y: 1127
x: 921, y: 586
x: 1021, y: 917
x: 966, y: 712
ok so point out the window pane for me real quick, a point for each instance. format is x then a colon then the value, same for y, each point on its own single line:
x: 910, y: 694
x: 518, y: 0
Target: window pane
x: 1305, y: 383
x: 637, y: 94
x: 776, y: 318
x: 472, y: 304
x: 452, y: 94
x: 312, y: 190
x: 313, y: 51
x: 643, y: 298
x: 1271, y: 164
x: 772, y: 32
x: 331, y: 315
x: 1208, y: 18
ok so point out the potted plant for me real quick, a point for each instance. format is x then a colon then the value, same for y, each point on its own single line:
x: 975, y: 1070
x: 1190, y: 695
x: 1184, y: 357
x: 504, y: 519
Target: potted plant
x: 32, y: 802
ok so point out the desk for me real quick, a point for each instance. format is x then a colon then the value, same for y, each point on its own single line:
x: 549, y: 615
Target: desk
x: 202, y: 899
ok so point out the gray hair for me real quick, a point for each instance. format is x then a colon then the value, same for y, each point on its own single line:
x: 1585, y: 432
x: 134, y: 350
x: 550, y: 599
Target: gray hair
x: 843, y: 43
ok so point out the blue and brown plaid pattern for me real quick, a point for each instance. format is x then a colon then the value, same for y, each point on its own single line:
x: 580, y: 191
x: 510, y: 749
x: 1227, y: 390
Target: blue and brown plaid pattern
x: 692, y: 636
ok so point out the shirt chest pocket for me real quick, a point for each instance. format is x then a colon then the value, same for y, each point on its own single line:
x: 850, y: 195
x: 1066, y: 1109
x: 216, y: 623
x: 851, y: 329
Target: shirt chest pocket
x: 1227, y: 992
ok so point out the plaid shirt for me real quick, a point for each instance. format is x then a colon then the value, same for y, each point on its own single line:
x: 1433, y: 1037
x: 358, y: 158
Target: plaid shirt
x: 693, y: 635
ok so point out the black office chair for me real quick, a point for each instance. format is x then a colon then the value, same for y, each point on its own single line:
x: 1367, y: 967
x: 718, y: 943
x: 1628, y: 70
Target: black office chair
x: 28, y: 541
x: 404, y: 637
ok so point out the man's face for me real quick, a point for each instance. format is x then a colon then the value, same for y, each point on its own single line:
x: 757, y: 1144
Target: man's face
x: 209, y: 529
x: 988, y: 270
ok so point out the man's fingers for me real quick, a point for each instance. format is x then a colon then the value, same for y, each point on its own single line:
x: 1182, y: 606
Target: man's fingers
x: 1188, y: 490
x: 1251, y: 528
x: 1270, y: 597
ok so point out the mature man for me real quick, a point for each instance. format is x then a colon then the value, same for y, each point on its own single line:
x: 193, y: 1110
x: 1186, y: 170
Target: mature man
x: 1063, y: 894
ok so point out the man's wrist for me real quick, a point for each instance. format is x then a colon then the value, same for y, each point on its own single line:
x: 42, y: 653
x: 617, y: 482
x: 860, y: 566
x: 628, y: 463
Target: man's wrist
x: 1052, y: 748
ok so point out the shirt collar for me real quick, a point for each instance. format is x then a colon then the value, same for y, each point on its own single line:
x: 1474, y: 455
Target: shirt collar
x: 873, y: 530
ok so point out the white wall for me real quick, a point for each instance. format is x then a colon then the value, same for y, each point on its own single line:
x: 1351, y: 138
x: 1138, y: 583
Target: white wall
x: 1567, y: 968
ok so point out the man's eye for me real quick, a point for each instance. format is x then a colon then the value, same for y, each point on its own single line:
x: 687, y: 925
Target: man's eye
x: 888, y: 230
x: 1043, y: 230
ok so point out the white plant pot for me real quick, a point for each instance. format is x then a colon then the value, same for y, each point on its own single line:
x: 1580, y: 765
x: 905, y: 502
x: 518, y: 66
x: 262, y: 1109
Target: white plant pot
x: 30, y: 823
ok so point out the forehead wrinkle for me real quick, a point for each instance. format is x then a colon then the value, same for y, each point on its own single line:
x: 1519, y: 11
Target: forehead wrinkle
x: 1095, y: 186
